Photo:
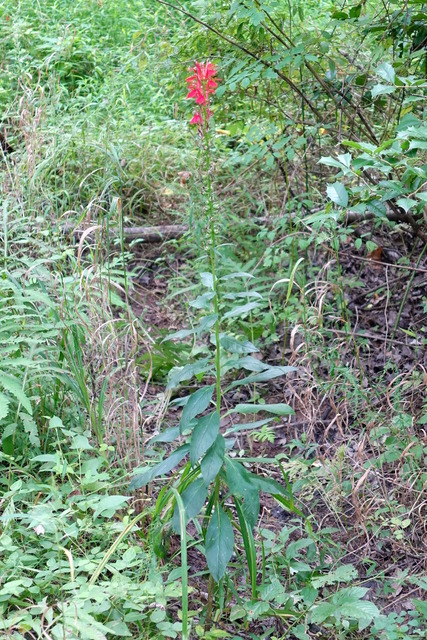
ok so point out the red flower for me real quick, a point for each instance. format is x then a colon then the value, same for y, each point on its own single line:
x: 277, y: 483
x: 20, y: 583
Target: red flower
x: 201, y: 85
x: 197, y: 118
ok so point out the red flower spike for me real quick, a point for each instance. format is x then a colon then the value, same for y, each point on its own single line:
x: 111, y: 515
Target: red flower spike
x: 201, y: 85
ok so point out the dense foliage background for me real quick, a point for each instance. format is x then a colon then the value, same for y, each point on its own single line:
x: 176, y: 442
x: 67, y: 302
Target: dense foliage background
x: 278, y: 339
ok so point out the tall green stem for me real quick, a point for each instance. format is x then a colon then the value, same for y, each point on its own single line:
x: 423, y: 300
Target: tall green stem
x: 212, y: 257
x: 210, y: 212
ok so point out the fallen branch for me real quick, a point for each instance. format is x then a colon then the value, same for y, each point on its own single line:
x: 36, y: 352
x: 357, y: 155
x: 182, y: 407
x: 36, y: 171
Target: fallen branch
x: 146, y: 234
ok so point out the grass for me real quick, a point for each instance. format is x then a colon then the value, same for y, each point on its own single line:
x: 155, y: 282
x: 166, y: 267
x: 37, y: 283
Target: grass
x: 93, y: 110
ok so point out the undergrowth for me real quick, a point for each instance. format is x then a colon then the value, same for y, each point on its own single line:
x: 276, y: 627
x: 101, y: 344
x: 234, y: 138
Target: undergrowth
x: 280, y: 343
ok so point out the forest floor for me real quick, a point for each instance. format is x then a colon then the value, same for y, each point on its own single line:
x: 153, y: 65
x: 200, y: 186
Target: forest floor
x: 384, y: 354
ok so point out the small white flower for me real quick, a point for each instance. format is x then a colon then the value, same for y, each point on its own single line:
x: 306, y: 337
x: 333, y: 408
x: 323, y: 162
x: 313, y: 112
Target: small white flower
x: 39, y: 529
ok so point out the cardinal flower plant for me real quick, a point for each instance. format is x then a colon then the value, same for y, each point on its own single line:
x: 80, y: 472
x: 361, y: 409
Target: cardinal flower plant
x: 213, y: 478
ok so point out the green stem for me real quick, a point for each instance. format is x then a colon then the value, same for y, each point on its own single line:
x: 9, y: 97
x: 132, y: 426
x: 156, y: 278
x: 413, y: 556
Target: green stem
x: 211, y: 219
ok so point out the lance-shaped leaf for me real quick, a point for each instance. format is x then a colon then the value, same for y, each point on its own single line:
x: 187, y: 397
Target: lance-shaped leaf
x: 197, y: 403
x: 337, y: 193
x: 278, y: 409
x: 193, y: 499
x: 213, y: 460
x: 160, y: 469
x: 219, y: 543
x: 204, y: 435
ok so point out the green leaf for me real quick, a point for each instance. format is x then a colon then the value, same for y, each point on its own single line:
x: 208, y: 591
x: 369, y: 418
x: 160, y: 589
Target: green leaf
x: 421, y: 607
x: 378, y: 208
x: 232, y: 345
x: 338, y: 194
x: 204, y: 435
x: 343, y: 573
x: 197, y: 403
x: 207, y: 280
x: 355, y: 11
x: 14, y: 386
x: 268, y: 374
x: 339, y: 15
x: 386, y: 72
x: 249, y: 543
x: 237, y: 274
x: 183, y: 333
x: 108, y: 505
x: 382, y: 89
x: 168, y: 435
x: 278, y: 409
x: 241, y: 310
x: 348, y: 604
x: 180, y: 374
x: 219, y: 543
x: 4, y: 406
x: 141, y: 479
x: 81, y: 443
x: 406, y: 203
x: 248, y: 426
x: 343, y: 162
x: 213, y: 460
x: 193, y: 499
x: 203, y: 301
x: 244, y: 485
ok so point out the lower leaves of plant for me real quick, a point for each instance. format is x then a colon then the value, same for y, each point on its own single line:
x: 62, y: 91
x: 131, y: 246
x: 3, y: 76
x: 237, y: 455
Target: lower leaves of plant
x: 219, y: 543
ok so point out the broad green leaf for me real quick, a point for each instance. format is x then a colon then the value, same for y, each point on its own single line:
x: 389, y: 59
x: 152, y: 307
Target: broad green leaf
x: 31, y: 429
x: 207, y: 280
x: 206, y: 323
x: 268, y: 374
x: 250, y: 363
x: 378, y: 208
x: 219, y: 543
x: 382, y: 89
x: 242, y: 294
x: 338, y: 194
x: 237, y: 274
x: 193, y: 498
x: 293, y: 548
x: 322, y: 612
x: 241, y: 310
x: 421, y: 606
x: 213, y: 460
x: 169, y: 435
x: 197, y: 403
x: 141, y: 479
x: 108, y: 505
x: 406, y: 203
x: 180, y: 374
x: 184, y: 333
x: 277, y: 409
x: 386, y: 72
x: 14, y: 386
x: 418, y: 144
x: 203, y: 301
x: 232, y: 345
x: 361, y: 610
x: 348, y: 604
x: 80, y: 442
x: 248, y: 426
x: 342, y: 162
x: 343, y: 573
x: 204, y: 435
x: 244, y: 485
x: 4, y: 406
